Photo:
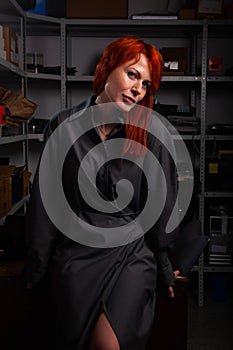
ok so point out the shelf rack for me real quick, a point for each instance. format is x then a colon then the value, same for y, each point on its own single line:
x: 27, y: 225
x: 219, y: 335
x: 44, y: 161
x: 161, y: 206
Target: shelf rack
x: 201, y: 30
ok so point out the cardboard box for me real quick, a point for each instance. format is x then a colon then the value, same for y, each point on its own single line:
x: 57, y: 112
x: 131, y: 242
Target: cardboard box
x: 56, y: 8
x: 26, y: 177
x: 210, y: 9
x: 19, y: 181
x: 175, y: 54
x: 1, y: 38
x: 5, y: 196
x: 11, y: 45
x: 2, y: 44
x: 187, y: 14
x: 5, y: 189
x: 96, y: 9
x: 214, y: 64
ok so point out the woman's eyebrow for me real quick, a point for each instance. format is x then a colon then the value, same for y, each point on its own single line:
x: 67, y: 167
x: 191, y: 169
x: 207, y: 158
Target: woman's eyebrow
x: 147, y: 80
x: 139, y: 74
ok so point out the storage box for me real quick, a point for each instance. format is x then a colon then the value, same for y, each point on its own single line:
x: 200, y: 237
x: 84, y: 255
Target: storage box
x: 40, y: 8
x: 187, y: 14
x: 214, y: 64
x: 210, y: 9
x: 175, y: 55
x: 20, y: 179
x: 2, y: 44
x: 11, y: 45
x: 26, y: 177
x: 1, y: 39
x: 56, y: 8
x: 5, y: 189
x: 221, y: 240
x: 96, y: 9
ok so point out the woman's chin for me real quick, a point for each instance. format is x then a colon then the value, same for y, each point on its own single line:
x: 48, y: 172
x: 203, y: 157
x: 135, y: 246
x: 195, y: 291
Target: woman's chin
x: 125, y: 107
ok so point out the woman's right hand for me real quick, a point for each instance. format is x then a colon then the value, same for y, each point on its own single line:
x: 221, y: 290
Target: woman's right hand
x: 170, y: 289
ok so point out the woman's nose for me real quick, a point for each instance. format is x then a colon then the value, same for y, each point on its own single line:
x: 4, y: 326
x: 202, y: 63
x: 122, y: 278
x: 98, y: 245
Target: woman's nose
x: 136, y: 89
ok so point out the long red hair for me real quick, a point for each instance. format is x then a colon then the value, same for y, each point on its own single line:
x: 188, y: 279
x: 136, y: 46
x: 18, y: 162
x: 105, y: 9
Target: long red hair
x: 117, y: 53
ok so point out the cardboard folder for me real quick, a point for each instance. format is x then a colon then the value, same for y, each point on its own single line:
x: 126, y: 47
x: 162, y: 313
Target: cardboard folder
x: 189, y: 245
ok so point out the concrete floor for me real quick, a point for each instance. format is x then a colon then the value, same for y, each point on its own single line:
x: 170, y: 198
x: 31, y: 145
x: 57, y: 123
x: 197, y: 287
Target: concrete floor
x: 210, y: 327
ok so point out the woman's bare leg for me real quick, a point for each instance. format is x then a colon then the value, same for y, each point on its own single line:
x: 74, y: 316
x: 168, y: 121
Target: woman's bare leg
x: 103, y: 337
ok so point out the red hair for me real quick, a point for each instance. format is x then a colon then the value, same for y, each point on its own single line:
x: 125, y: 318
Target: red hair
x: 117, y: 53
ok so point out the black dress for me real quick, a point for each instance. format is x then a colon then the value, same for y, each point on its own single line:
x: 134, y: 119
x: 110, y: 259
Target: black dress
x: 87, y: 280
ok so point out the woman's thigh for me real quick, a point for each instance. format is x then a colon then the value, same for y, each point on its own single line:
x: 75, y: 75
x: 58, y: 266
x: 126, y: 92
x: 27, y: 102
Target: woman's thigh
x: 103, y: 336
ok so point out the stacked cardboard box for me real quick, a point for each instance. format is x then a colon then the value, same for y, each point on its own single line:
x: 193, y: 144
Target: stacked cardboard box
x: 13, y: 186
x: 96, y: 9
x: 9, y: 45
x: 2, y: 51
x: 5, y: 189
x: 175, y: 60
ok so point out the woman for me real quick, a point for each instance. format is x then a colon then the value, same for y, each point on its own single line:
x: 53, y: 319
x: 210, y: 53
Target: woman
x: 105, y: 295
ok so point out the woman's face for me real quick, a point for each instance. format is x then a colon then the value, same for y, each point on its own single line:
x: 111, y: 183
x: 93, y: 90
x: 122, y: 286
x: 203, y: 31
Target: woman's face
x: 127, y: 83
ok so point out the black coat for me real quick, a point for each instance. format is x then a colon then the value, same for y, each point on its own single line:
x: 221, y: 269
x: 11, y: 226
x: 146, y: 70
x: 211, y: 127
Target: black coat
x: 86, y: 280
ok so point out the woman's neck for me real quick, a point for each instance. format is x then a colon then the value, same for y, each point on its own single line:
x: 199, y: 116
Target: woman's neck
x: 105, y: 130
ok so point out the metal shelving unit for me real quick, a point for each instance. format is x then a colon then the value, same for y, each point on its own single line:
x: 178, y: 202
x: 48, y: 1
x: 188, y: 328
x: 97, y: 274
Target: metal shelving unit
x: 197, y: 82
x: 11, y: 15
x: 6, y: 66
x: 12, y: 139
x: 212, y: 29
x: 80, y: 78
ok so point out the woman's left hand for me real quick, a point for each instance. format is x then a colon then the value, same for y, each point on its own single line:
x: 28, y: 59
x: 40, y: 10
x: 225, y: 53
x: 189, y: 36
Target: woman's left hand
x: 170, y: 289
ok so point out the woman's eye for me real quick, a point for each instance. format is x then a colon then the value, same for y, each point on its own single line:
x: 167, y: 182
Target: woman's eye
x: 146, y: 85
x: 132, y: 75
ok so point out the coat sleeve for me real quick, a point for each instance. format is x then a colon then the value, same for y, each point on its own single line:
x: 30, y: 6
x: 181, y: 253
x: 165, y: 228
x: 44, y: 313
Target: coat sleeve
x: 40, y: 232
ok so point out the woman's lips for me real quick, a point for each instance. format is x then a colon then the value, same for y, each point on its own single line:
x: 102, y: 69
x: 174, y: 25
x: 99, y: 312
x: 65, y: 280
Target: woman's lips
x: 128, y: 99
